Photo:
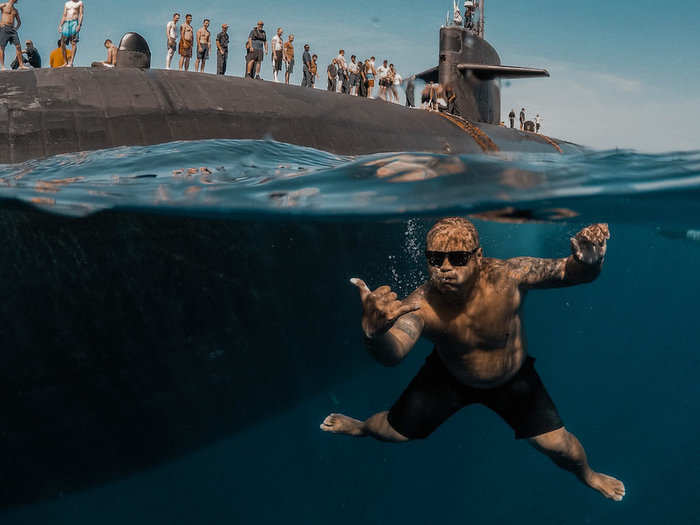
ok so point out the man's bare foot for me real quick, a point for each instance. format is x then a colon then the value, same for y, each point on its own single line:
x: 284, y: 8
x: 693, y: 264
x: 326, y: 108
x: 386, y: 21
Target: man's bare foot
x: 341, y: 424
x: 607, y: 485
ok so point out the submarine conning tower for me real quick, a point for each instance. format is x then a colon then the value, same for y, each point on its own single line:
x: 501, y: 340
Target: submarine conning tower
x: 472, y: 68
x: 478, y: 95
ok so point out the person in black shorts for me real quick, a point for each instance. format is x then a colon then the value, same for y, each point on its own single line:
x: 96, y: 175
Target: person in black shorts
x: 470, y: 308
x: 255, y: 45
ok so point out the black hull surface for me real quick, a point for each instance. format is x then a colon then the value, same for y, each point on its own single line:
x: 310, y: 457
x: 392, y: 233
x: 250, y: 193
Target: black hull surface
x: 46, y: 112
x: 129, y: 339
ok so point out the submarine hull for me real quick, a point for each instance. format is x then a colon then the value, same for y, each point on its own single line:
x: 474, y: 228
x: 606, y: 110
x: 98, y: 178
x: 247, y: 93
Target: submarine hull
x: 46, y: 112
x: 129, y: 339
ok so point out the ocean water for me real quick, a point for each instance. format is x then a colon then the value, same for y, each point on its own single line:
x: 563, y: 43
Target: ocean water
x: 177, y: 321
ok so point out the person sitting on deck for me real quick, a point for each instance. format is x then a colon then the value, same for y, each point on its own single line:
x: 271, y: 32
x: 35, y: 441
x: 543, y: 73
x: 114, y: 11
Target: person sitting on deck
x: 56, y: 57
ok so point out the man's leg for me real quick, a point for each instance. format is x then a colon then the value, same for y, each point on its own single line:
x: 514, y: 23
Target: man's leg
x: 204, y: 61
x: 566, y: 452
x: 74, y: 48
x: 20, y: 61
x: 376, y: 426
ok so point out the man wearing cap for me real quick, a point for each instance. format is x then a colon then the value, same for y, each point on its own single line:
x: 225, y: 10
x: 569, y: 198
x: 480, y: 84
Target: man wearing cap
x: 222, y: 50
x: 306, y: 59
x: 33, y: 58
x: 257, y: 42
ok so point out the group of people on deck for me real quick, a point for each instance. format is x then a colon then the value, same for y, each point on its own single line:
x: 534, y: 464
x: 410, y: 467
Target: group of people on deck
x: 68, y: 29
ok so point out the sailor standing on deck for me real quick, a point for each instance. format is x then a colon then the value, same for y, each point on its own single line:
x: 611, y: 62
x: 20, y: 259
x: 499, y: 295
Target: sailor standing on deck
x: 257, y: 43
x: 222, y: 50
x: 69, y: 28
x: 171, y: 35
x: 8, y: 32
x: 538, y: 123
x: 511, y: 117
x: 277, y: 44
x: 522, y: 119
x: 306, y: 59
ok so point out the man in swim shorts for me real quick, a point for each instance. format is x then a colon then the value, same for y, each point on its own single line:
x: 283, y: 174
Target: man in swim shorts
x: 186, y: 41
x: 8, y: 32
x: 69, y: 28
x: 288, y: 53
x: 203, y: 45
x: 470, y: 308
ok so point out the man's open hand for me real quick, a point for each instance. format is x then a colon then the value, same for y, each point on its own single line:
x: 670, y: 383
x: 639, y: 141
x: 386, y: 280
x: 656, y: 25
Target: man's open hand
x: 380, y: 308
x: 590, y: 244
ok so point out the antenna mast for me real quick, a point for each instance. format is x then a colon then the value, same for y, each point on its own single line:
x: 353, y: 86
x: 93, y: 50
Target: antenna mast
x: 481, y: 18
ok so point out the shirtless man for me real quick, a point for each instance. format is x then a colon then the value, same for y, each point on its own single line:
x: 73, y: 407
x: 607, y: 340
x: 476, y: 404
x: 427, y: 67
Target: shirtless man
x: 186, y: 41
x: 69, y: 28
x: 8, y: 32
x: 203, y: 45
x: 111, y: 54
x: 470, y: 309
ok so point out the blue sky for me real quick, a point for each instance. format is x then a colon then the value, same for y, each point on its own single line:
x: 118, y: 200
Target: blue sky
x: 624, y: 73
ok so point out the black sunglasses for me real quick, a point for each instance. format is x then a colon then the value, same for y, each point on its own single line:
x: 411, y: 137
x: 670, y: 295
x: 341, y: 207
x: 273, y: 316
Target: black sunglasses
x: 455, y: 258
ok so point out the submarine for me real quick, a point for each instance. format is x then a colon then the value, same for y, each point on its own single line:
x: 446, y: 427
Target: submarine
x: 131, y: 339
x: 45, y: 112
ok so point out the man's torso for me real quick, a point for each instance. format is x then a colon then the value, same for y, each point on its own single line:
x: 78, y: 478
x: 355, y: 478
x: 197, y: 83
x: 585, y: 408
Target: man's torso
x: 172, y: 29
x: 204, y: 35
x: 288, y: 51
x: 8, y: 14
x: 187, y: 32
x: 258, y: 37
x: 276, y: 43
x: 73, y: 9
x: 222, y: 38
x: 481, y: 343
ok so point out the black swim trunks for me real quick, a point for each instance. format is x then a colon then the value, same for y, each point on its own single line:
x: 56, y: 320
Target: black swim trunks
x: 8, y: 34
x: 435, y: 394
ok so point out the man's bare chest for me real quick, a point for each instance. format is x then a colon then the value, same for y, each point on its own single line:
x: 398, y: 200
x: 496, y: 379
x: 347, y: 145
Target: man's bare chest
x: 485, y: 323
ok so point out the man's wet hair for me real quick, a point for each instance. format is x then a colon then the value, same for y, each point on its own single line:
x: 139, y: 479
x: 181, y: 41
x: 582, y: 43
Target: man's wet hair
x: 206, y: 20
x: 188, y: 14
x: 107, y: 41
x: 314, y: 56
x: 59, y: 42
x: 176, y: 14
x: 454, y: 228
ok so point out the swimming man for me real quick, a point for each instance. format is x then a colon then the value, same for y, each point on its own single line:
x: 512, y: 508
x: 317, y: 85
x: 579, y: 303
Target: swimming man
x: 8, y: 32
x: 69, y: 27
x: 470, y: 309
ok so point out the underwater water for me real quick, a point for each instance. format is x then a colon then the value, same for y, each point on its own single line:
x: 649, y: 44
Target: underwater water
x: 177, y: 322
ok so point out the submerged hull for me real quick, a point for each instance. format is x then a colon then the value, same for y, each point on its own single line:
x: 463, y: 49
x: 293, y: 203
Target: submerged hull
x: 130, y: 339
x: 46, y: 112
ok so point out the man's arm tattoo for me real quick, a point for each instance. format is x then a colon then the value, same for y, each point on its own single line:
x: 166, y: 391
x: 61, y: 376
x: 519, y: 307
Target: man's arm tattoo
x: 551, y: 273
x: 409, y: 324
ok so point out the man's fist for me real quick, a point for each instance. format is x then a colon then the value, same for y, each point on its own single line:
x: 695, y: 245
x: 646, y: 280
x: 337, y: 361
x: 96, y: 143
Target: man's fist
x: 590, y: 244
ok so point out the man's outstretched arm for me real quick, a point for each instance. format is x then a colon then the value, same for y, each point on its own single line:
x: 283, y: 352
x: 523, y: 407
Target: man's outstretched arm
x: 390, y: 327
x: 588, y: 250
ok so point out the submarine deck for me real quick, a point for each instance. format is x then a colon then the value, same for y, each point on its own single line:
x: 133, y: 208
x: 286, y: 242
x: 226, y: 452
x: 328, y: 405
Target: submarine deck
x: 46, y: 112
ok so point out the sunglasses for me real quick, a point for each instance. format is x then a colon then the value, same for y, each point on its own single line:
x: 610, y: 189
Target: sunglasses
x: 455, y: 258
